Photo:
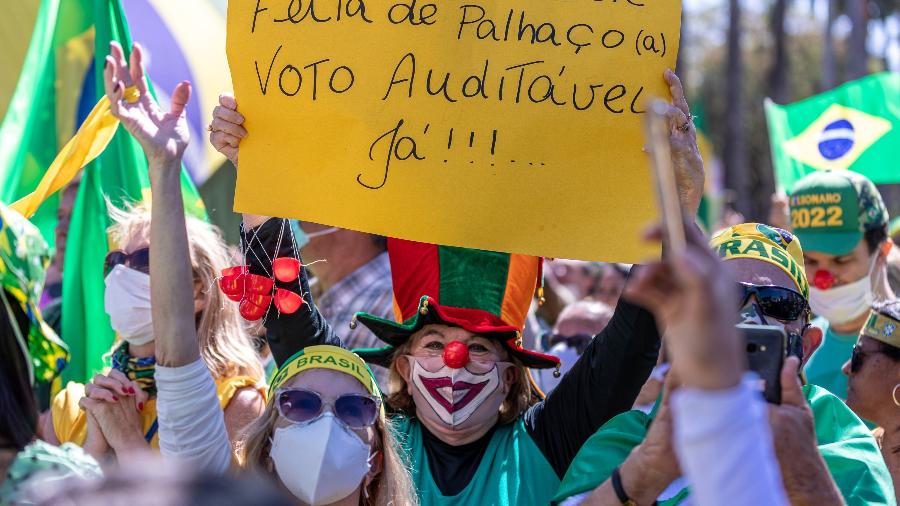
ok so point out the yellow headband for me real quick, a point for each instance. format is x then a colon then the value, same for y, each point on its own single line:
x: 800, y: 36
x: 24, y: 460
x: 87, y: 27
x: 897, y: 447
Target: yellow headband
x: 768, y: 244
x: 324, y: 357
x: 882, y: 328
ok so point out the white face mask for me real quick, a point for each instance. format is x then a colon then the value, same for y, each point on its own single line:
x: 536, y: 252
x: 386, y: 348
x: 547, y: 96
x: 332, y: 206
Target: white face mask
x: 127, y: 302
x: 843, y: 304
x: 320, y: 462
x: 455, y: 395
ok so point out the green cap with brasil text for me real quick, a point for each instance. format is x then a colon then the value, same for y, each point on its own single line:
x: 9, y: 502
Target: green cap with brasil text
x: 832, y: 210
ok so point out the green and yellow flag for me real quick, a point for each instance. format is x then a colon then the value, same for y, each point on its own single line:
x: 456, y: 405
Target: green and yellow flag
x: 853, y: 127
x: 61, y: 82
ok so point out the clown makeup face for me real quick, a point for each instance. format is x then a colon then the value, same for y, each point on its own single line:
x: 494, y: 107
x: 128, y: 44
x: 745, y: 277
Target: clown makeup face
x: 455, y: 394
x: 458, y: 381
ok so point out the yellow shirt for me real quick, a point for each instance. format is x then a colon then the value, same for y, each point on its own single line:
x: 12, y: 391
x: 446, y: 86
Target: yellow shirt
x: 70, y: 424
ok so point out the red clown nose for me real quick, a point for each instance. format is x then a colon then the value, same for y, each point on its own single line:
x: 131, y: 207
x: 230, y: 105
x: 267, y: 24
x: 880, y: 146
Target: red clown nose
x: 823, y: 280
x: 456, y: 355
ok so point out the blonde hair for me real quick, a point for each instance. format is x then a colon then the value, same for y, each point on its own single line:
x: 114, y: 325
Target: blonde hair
x: 225, y: 346
x: 392, y: 486
x: 519, y: 398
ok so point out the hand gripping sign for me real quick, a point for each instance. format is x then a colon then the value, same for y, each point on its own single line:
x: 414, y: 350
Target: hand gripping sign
x: 501, y: 125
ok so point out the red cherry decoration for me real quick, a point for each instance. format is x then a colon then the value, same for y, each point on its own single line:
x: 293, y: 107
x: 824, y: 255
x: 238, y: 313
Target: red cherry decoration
x: 234, y: 271
x: 257, y: 284
x: 251, y: 311
x: 823, y: 280
x: 287, y: 301
x: 286, y: 269
x: 456, y: 355
x: 232, y: 287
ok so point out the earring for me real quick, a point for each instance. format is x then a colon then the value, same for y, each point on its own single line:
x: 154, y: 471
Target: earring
x: 894, y: 394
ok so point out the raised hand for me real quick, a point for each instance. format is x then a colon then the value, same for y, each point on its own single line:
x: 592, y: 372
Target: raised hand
x: 226, y: 130
x: 689, y: 174
x: 163, y: 135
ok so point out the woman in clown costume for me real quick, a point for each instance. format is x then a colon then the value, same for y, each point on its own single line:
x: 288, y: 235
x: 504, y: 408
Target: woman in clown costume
x: 473, y: 426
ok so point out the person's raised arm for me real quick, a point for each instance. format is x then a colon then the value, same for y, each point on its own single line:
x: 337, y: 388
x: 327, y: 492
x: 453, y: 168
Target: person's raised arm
x: 609, y: 375
x: 191, y: 422
x: 264, y: 239
x: 226, y: 130
x: 163, y: 135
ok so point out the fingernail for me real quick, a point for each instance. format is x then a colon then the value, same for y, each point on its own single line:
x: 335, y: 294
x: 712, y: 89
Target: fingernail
x: 115, y: 398
x: 129, y: 390
x: 140, y: 406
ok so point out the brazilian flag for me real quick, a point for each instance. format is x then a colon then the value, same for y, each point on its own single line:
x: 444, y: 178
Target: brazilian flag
x: 854, y: 127
x: 61, y: 80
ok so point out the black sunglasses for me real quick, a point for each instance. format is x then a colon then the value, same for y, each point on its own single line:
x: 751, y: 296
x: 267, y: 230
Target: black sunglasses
x: 357, y: 411
x: 776, y: 301
x: 857, y: 358
x: 138, y: 260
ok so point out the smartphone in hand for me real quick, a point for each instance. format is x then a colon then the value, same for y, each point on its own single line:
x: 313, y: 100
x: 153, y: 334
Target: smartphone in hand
x: 766, y: 351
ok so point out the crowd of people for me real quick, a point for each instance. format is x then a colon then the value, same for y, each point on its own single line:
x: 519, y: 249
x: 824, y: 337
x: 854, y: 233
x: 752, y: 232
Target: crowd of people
x: 403, y: 373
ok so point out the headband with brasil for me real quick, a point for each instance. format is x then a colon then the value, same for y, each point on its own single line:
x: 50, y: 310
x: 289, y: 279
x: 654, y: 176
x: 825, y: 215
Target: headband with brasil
x: 882, y: 328
x: 768, y: 244
x: 325, y: 357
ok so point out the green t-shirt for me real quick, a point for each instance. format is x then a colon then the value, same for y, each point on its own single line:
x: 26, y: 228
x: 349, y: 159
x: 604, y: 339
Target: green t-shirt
x: 824, y: 366
x: 846, y: 445
x: 513, y: 471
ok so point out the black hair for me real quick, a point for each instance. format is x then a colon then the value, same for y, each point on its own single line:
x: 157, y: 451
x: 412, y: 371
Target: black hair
x: 891, y: 309
x: 18, y: 408
x: 875, y: 237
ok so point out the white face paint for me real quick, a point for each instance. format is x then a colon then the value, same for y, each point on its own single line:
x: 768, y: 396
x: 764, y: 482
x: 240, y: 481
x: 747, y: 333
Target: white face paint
x: 455, y: 395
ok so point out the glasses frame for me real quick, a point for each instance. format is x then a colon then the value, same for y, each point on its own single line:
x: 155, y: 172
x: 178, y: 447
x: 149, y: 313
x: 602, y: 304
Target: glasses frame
x: 127, y: 260
x: 323, y: 403
x: 749, y: 289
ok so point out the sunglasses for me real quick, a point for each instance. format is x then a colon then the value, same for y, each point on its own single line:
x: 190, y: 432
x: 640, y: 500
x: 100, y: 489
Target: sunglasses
x: 138, y: 260
x: 858, y: 357
x: 776, y: 301
x: 357, y: 411
x: 577, y: 341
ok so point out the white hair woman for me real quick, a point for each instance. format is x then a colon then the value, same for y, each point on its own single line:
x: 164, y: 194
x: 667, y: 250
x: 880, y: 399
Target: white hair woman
x: 324, y: 404
x: 118, y: 410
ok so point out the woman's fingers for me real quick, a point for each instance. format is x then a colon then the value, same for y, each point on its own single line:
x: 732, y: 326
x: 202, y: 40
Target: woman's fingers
x: 180, y: 97
x: 109, y: 85
x: 97, y: 393
x: 118, y: 54
x: 228, y: 115
x: 115, y: 381
x: 136, y: 69
x: 222, y: 140
x: 677, y: 91
x: 677, y: 120
x: 219, y: 124
x: 227, y: 100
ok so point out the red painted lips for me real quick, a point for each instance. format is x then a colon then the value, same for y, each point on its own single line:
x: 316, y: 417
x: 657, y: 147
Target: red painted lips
x: 433, y: 385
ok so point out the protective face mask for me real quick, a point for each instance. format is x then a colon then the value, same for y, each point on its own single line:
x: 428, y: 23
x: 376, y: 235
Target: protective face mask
x: 454, y: 396
x: 842, y: 304
x: 320, y: 462
x: 127, y: 302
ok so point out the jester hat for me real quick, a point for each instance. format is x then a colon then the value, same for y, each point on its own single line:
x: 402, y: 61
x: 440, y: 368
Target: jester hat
x: 484, y: 292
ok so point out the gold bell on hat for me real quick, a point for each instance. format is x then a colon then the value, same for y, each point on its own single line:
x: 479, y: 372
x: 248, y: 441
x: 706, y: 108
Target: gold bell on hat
x: 424, y: 309
x: 556, y: 373
x: 353, y: 323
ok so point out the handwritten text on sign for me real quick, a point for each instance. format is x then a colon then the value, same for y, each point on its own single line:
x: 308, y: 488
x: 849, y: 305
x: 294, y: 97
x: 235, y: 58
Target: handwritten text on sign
x: 496, y: 124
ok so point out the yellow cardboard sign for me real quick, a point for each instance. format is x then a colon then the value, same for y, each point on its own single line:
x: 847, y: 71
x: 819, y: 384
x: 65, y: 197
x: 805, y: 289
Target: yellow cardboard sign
x: 494, y: 124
